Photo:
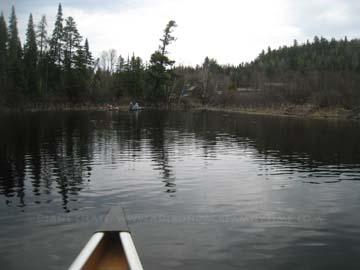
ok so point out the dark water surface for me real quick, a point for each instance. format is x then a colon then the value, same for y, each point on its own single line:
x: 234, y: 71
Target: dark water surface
x: 201, y: 190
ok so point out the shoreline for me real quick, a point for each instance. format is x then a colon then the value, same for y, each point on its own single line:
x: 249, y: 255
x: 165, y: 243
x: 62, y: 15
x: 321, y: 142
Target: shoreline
x: 294, y: 111
x: 66, y: 107
x: 300, y: 112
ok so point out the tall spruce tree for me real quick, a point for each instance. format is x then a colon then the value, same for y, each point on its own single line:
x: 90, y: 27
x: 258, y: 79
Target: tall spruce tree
x: 83, y: 71
x: 55, y: 76
x: 72, y: 42
x: 56, y: 48
x: 31, y: 59
x: 136, y: 77
x: 88, y: 56
x: 74, y: 59
x: 3, y: 53
x: 89, y: 64
x: 42, y: 41
x: 78, y: 85
x: 15, y: 65
x: 41, y: 34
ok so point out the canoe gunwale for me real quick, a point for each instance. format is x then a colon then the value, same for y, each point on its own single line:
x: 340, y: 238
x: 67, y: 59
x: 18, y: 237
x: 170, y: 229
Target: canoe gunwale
x: 131, y: 254
x: 116, y: 230
x: 87, y: 251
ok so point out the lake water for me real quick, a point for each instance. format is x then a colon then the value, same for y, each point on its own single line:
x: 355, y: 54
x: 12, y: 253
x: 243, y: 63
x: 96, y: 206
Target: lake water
x: 201, y: 190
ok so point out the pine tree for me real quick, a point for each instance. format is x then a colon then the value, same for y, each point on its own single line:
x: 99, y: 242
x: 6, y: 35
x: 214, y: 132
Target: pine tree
x: 167, y: 37
x: 74, y: 60
x: 72, y: 40
x: 138, y: 77
x: 41, y: 33
x: 42, y: 41
x: 89, y: 65
x: 15, y: 65
x: 54, y: 65
x: 79, y: 59
x: 79, y: 76
x: 14, y: 41
x: 31, y: 59
x: 88, y: 56
x: 160, y: 67
x: 3, y: 53
x: 56, y: 50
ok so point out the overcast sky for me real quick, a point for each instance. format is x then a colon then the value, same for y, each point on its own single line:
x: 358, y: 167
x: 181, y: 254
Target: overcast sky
x: 232, y: 31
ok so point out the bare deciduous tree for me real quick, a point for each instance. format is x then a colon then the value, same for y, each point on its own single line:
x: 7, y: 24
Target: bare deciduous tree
x: 112, y: 60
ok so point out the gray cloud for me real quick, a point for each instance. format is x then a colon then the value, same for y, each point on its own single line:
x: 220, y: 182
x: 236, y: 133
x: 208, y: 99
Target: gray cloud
x: 27, y: 6
x: 330, y: 18
x: 257, y: 24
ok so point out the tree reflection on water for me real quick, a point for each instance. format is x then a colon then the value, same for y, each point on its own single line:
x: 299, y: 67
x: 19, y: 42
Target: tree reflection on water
x: 46, y: 153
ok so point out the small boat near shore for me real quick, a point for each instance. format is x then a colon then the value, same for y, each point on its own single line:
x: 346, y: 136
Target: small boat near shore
x: 110, y: 247
x: 135, y: 108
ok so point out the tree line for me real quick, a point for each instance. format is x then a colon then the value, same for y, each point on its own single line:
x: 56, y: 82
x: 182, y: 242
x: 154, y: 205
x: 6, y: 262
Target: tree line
x: 57, y: 66
x: 321, y: 73
x: 60, y: 68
